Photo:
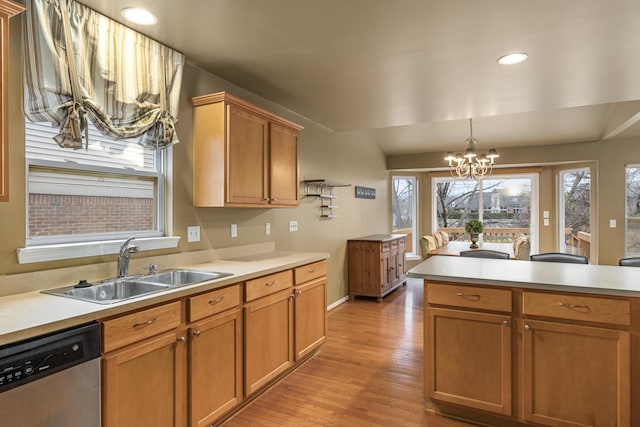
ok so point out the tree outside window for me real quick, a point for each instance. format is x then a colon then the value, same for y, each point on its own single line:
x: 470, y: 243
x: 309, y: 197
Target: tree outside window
x: 403, y: 206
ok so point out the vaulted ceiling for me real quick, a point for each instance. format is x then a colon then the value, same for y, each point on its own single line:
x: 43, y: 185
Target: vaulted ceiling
x: 412, y: 72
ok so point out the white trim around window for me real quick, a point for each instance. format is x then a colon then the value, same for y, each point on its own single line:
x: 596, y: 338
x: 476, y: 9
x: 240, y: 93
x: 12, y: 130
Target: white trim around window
x: 86, y: 249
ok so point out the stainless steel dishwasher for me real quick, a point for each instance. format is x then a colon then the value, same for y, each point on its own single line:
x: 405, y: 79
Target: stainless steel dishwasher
x: 52, y: 380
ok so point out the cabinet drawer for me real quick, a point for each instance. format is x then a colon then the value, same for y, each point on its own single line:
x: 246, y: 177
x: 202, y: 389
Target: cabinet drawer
x: 385, y: 246
x: 401, y: 242
x: 134, y: 327
x: 267, y: 285
x: 394, y: 244
x: 213, y: 302
x: 310, y: 271
x: 469, y: 297
x: 577, y: 307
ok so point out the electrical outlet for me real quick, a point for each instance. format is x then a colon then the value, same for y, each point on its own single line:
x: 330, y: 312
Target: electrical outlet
x: 293, y: 226
x: 193, y: 233
x: 267, y: 229
x: 234, y: 230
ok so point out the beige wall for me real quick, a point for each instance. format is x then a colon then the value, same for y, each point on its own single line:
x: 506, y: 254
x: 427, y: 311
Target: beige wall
x: 347, y: 157
x: 607, y: 160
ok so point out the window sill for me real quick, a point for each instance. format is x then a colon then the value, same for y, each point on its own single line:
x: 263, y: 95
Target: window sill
x: 86, y: 249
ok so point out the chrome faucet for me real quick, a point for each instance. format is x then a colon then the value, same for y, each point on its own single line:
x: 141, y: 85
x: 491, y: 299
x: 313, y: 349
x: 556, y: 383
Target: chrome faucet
x: 126, y: 250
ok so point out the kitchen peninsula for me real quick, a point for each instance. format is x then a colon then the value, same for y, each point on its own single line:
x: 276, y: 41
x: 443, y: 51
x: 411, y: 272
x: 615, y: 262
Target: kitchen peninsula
x: 514, y: 343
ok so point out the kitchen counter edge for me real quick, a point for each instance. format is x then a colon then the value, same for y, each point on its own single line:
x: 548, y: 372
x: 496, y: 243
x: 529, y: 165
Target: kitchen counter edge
x: 31, y: 314
x: 547, y: 276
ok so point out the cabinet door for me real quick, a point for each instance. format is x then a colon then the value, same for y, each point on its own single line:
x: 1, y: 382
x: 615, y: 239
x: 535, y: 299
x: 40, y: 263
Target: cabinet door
x: 215, y: 368
x: 143, y: 384
x: 283, y: 169
x: 468, y: 359
x: 400, y: 267
x: 268, y: 339
x: 385, y: 272
x: 393, y: 266
x: 310, y: 317
x: 576, y: 375
x: 247, y: 160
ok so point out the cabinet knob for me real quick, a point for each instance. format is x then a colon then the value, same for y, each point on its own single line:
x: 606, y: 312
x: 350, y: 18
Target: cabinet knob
x: 505, y: 323
x: 274, y: 200
x: 292, y: 295
x: 196, y: 333
x: 527, y: 327
x: 181, y: 339
x: 298, y: 292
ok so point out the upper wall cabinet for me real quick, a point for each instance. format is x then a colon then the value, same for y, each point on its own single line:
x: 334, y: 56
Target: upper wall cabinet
x: 243, y: 155
x: 7, y: 10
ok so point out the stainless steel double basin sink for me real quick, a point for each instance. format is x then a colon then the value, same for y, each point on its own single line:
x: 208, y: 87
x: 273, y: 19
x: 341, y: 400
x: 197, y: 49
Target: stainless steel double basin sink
x: 121, y: 289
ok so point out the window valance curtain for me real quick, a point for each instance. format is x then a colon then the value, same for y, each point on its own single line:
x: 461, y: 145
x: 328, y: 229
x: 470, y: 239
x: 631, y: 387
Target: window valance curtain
x: 127, y: 84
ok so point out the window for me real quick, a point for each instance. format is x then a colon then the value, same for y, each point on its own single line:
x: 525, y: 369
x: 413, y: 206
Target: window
x: 506, y: 205
x: 575, y: 211
x: 113, y: 190
x: 404, y: 207
x: 632, y: 212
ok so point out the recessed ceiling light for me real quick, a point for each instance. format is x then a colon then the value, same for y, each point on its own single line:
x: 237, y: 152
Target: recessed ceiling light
x: 512, y: 58
x: 138, y: 15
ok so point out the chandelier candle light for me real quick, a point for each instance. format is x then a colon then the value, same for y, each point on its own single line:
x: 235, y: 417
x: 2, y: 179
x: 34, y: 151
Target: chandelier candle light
x: 471, y: 164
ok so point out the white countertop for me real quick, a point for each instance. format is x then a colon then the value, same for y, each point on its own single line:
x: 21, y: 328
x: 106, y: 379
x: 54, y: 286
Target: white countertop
x: 594, y: 279
x: 31, y: 314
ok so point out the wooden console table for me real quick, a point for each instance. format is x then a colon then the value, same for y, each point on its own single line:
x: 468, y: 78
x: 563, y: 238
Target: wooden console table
x: 376, y: 264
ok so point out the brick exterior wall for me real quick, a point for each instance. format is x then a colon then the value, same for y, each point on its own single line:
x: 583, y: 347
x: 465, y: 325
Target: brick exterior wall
x: 55, y: 215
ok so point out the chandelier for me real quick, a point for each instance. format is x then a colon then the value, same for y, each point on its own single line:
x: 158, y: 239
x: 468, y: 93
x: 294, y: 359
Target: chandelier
x: 471, y: 164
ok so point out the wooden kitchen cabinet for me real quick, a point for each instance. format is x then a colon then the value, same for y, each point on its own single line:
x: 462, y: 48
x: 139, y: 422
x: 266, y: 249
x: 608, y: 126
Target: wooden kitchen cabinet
x: 215, y: 355
x: 7, y: 10
x: 243, y: 155
x: 572, y: 356
x: 268, y: 339
x: 144, y: 384
x: 144, y: 368
x: 376, y: 264
x: 576, y: 375
x: 310, y: 308
x: 194, y: 360
x: 469, y: 357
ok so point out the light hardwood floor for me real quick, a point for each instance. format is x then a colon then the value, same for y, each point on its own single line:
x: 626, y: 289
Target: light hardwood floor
x: 369, y: 372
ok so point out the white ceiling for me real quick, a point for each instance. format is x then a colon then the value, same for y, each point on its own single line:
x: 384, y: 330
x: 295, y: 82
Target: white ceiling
x: 411, y: 72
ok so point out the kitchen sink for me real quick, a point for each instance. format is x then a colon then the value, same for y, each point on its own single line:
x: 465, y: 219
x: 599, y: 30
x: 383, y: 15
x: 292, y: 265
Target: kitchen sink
x: 115, y: 290
x: 110, y: 291
x: 183, y: 277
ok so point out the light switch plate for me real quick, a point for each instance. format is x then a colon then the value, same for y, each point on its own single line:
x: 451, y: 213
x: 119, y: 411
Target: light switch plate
x: 293, y: 226
x: 546, y: 222
x: 193, y: 233
x: 612, y: 223
x: 267, y: 228
x: 545, y: 214
x: 234, y: 230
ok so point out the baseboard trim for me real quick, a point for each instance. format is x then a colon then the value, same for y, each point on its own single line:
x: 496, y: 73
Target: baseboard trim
x: 337, y: 303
